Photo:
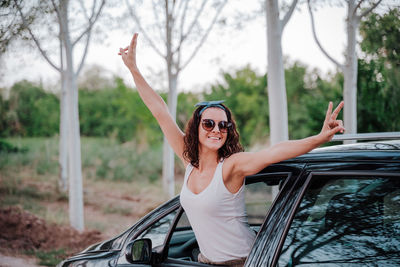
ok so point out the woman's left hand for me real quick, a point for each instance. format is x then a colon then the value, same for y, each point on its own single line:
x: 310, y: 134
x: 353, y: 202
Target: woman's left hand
x: 331, y: 124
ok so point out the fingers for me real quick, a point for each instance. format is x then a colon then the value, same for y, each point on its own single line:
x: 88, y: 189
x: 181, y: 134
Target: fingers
x: 133, y: 41
x: 328, y: 111
x: 339, y: 124
x: 122, y: 51
x: 131, y: 47
x: 337, y: 110
x: 336, y: 129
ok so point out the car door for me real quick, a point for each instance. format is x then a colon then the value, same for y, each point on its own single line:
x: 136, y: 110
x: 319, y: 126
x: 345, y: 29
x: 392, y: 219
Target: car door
x: 343, y: 218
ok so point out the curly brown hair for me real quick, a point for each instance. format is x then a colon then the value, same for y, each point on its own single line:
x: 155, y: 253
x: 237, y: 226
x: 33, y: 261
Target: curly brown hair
x: 191, y: 140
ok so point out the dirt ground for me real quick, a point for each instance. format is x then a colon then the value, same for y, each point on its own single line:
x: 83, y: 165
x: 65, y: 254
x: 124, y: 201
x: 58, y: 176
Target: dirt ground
x: 23, y: 231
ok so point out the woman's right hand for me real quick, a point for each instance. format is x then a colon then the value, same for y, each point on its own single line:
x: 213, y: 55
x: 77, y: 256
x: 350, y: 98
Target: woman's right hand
x: 129, y: 54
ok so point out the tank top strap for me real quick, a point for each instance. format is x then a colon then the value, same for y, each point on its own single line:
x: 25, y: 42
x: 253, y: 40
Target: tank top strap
x: 188, y: 170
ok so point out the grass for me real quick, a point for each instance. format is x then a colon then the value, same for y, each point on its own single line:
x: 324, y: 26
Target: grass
x: 48, y: 258
x: 112, y: 209
x: 121, y: 183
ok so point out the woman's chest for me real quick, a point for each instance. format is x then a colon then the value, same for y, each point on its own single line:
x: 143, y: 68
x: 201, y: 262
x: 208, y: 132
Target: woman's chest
x: 197, y: 182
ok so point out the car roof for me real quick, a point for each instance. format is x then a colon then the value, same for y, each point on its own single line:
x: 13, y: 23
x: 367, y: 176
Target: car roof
x: 370, y: 151
x: 365, y: 146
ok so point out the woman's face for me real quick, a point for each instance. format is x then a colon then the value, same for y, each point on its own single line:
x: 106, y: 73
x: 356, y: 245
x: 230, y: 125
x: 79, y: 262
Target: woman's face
x: 214, y: 139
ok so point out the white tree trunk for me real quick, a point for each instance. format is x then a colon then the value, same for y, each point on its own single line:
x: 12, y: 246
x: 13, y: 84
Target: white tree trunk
x: 277, y: 100
x: 74, y: 152
x: 168, y: 153
x: 278, y: 118
x: 63, y: 139
x: 350, y: 72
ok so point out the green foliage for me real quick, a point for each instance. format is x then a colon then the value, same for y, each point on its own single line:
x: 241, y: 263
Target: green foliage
x: 381, y: 36
x: 245, y: 94
x: 32, y: 111
x: 379, y: 73
x: 317, y: 98
x: 118, y: 112
x: 184, y: 112
x: 3, y: 116
x: 6, y: 147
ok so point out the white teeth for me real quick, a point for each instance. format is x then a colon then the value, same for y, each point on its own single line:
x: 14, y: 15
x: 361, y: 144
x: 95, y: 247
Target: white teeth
x: 215, y: 138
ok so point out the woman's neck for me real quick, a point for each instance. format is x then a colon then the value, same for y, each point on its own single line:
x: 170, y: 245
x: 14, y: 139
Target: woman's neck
x: 207, y: 159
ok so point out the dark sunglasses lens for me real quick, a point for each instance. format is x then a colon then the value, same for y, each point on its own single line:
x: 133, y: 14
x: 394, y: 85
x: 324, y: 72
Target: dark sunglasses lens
x: 224, y: 126
x: 208, y: 125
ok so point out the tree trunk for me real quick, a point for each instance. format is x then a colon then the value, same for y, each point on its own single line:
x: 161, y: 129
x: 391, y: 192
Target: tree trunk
x: 74, y: 153
x: 168, y: 153
x: 278, y: 118
x: 63, y: 139
x: 350, y: 73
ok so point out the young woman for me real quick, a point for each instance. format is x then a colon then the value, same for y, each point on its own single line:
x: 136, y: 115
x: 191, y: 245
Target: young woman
x: 213, y: 190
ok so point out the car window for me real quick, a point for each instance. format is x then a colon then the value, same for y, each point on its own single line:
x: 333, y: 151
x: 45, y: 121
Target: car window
x: 346, y: 220
x: 158, y: 231
x: 258, y: 197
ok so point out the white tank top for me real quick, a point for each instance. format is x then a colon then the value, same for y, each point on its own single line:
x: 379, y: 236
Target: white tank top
x: 218, y: 219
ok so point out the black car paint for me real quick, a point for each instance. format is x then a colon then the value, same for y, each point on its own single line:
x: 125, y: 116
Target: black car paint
x: 365, y: 157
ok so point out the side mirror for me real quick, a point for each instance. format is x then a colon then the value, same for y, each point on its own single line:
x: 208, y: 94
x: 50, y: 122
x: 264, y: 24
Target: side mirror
x: 139, y: 251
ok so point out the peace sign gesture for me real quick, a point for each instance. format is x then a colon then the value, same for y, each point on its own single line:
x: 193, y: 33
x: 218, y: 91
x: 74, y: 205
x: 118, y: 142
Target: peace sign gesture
x: 129, y: 54
x: 331, y: 124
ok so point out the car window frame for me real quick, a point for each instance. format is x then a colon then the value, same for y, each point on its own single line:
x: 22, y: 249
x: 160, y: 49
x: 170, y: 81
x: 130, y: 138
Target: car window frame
x: 293, y: 181
x: 311, y: 174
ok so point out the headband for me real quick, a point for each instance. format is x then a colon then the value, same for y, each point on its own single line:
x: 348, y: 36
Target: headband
x: 210, y: 104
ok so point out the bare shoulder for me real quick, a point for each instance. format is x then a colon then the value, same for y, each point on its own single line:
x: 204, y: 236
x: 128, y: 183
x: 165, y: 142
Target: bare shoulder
x: 231, y: 164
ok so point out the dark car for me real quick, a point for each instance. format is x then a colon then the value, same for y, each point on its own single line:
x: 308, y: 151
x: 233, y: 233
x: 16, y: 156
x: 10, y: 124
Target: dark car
x: 335, y: 206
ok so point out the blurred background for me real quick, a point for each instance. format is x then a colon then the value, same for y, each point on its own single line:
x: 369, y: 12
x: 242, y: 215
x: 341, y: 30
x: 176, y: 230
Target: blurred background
x: 53, y: 52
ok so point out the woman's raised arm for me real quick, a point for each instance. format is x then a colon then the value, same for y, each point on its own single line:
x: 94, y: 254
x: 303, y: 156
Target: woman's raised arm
x: 153, y: 101
x: 248, y: 163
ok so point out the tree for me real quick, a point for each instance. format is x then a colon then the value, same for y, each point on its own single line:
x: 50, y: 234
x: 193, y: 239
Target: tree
x: 11, y: 26
x: 179, y: 26
x: 355, y: 12
x: 278, y: 114
x: 58, y: 12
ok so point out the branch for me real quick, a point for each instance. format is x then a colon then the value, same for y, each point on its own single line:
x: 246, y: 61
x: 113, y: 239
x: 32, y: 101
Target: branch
x: 84, y: 54
x: 158, y: 22
x: 317, y: 41
x: 136, y: 19
x: 179, y: 8
x: 182, y: 25
x: 91, y: 21
x: 194, y: 21
x: 204, y: 37
x: 369, y: 10
x: 84, y: 9
x: 60, y: 39
x: 34, y: 38
x: 288, y: 14
x: 89, y: 32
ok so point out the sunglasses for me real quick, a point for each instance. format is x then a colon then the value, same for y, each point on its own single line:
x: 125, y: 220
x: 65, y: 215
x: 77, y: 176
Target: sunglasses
x: 209, y: 124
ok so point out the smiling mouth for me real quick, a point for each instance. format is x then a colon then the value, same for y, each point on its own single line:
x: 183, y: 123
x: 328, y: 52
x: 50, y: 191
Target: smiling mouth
x: 214, y: 138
